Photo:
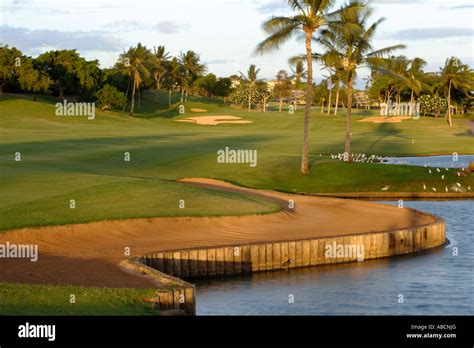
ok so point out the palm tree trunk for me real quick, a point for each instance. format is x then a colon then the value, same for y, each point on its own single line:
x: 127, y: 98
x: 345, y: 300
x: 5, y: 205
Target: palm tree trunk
x: 337, y: 99
x: 307, y: 111
x: 280, y: 105
x: 158, y: 91
x: 449, y: 105
x: 126, y: 93
x: 330, y: 94
x: 347, y: 140
x: 169, y: 98
x: 132, y: 102
x: 412, y: 107
x: 139, y: 97
x: 250, y: 96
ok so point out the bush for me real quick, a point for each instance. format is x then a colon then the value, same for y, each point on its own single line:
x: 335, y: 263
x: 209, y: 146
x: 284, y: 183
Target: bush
x: 433, y: 105
x: 109, y: 97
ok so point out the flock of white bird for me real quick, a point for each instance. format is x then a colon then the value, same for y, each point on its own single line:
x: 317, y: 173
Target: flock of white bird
x: 359, y: 157
x: 363, y: 158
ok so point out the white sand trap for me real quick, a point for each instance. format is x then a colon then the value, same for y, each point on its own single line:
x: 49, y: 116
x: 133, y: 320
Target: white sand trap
x: 214, y: 120
x: 198, y: 110
x: 382, y: 119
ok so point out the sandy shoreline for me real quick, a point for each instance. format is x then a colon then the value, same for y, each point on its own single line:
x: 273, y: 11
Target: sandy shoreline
x: 89, y: 254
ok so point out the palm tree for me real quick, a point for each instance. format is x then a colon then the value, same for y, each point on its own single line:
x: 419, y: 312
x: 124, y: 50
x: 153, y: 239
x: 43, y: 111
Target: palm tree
x: 456, y: 75
x: 299, y: 72
x: 351, y: 40
x: 416, y: 78
x: 138, y: 69
x: 158, y: 67
x: 309, y: 16
x: 174, y: 70
x: 123, y: 66
x: 191, y: 70
x: 251, y: 81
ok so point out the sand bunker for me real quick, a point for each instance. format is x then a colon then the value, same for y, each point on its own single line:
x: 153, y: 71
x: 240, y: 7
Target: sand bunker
x: 383, y: 119
x: 198, y: 110
x: 90, y: 254
x: 214, y: 120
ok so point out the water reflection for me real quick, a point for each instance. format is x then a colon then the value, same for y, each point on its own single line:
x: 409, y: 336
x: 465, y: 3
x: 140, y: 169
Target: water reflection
x: 433, y: 282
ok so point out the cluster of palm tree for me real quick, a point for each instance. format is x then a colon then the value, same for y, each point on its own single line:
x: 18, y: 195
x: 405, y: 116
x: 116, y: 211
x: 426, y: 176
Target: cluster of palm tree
x: 347, y: 37
x: 144, y: 67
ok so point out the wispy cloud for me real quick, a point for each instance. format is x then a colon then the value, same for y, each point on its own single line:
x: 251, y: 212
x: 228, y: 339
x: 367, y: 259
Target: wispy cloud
x: 124, y: 25
x: 272, y: 6
x: 30, y: 40
x: 430, y: 33
x: 170, y: 27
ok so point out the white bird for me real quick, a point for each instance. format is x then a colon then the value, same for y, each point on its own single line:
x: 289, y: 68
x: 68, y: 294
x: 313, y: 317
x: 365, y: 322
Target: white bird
x: 385, y: 188
x: 442, y: 177
x: 424, y: 187
x: 429, y: 171
x: 438, y: 170
x: 446, y: 188
x: 434, y: 189
x: 458, y: 184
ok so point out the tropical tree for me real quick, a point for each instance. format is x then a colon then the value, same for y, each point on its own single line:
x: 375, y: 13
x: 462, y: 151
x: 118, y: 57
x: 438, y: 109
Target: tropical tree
x: 351, y: 40
x: 299, y: 72
x: 10, y: 61
x: 192, y: 69
x: 250, y: 80
x: 31, y: 79
x: 159, y: 61
x: 282, y: 87
x: 307, y: 18
x: 173, y: 73
x: 138, y: 60
x: 61, y: 67
x: 456, y: 75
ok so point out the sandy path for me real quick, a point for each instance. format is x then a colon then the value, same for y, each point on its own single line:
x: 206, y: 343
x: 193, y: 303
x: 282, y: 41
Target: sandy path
x: 89, y: 254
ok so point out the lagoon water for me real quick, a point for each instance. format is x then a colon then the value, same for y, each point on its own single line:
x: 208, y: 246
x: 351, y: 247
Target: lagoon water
x: 431, y: 283
x: 462, y: 161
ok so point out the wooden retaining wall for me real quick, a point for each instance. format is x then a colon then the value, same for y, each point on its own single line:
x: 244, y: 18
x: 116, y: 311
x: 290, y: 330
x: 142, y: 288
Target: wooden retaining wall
x: 271, y: 256
x: 172, y: 294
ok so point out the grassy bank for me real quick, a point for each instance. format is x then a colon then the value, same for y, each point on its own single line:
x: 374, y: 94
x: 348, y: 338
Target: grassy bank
x: 24, y: 299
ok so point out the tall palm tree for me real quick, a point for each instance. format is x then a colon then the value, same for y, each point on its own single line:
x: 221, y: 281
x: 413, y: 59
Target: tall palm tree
x: 416, y: 78
x: 299, y: 72
x: 251, y: 80
x: 456, y: 75
x: 138, y: 60
x: 307, y: 18
x: 123, y: 66
x: 158, y: 67
x: 192, y: 68
x: 352, y: 42
x: 174, y: 70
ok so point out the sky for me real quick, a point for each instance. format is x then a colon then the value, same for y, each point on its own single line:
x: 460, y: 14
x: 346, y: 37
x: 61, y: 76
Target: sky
x: 224, y: 32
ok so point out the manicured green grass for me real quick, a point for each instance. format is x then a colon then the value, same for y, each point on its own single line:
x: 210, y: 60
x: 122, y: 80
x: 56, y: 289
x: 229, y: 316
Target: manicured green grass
x: 66, y: 158
x: 24, y: 299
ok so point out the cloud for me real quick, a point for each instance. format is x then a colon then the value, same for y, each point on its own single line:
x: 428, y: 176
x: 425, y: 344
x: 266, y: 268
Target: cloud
x: 430, y: 33
x: 221, y: 61
x: 459, y: 7
x: 269, y: 7
x: 30, y: 40
x: 125, y: 25
x: 169, y: 27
